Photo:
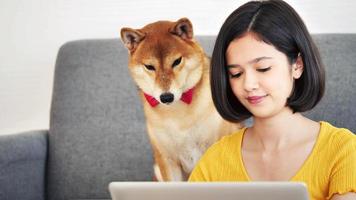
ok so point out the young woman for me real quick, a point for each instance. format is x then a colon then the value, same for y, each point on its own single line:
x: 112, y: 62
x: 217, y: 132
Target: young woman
x: 265, y: 65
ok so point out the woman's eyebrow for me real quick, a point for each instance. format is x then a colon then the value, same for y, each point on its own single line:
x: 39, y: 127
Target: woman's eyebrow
x: 255, y: 60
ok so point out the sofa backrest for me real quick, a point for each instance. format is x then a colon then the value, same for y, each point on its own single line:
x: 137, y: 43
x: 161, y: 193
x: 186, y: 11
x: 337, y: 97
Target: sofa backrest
x: 97, y: 127
x: 338, y: 52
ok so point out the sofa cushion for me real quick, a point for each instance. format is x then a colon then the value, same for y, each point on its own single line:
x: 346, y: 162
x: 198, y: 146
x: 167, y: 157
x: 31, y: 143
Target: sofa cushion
x: 97, y: 127
x: 338, y: 52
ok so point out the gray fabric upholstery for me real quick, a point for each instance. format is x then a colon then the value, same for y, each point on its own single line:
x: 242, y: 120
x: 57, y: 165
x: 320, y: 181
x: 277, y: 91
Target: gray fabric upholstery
x: 22, y: 165
x: 97, y: 127
x: 338, y: 52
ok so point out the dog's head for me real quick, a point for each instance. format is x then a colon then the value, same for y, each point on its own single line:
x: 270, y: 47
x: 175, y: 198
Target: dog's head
x: 164, y: 59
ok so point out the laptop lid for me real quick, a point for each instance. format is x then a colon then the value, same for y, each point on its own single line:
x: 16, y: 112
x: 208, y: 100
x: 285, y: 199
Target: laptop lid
x: 208, y: 191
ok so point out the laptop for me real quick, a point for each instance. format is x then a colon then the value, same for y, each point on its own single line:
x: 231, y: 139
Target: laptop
x: 208, y: 191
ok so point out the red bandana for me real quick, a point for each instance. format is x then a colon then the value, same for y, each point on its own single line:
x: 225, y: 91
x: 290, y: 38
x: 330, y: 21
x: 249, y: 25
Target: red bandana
x: 186, y: 98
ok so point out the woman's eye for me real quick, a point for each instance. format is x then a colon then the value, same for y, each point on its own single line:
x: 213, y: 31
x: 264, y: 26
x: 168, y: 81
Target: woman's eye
x: 150, y: 67
x: 264, y: 69
x: 177, y: 62
x: 237, y: 75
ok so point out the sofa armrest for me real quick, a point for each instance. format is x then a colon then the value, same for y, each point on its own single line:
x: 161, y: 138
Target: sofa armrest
x: 23, y: 159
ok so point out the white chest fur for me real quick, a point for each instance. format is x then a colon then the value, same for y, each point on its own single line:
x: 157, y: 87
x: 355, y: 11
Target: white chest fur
x: 186, y: 143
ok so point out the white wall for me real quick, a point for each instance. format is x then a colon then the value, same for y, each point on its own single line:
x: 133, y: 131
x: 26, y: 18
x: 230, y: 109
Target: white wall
x: 32, y: 31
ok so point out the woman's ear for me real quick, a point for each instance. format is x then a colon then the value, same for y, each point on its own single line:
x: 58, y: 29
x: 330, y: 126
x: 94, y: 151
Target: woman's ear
x: 298, y: 67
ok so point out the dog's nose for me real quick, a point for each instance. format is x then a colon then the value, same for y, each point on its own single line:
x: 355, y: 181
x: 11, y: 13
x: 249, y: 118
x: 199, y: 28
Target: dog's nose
x: 167, y: 97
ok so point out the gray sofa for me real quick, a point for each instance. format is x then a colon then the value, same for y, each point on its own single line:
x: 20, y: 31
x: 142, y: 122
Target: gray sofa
x: 97, y: 128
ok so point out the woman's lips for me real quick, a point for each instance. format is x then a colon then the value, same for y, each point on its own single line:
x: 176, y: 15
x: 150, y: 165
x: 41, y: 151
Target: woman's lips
x: 255, y: 99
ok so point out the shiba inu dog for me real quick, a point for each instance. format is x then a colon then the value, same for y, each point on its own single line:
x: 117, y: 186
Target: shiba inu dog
x: 172, y: 74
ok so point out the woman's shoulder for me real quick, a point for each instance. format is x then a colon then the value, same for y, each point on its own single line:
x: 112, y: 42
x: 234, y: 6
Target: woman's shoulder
x: 337, y: 137
x: 227, y: 142
x: 338, y: 154
x: 233, y: 138
x: 335, y: 133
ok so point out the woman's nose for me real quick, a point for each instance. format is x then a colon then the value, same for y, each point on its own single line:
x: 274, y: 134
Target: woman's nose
x: 250, y: 82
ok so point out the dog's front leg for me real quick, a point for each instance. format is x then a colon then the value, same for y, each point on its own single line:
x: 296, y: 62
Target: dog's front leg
x: 168, y: 173
x: 174, y: 170
x: 166, y: 169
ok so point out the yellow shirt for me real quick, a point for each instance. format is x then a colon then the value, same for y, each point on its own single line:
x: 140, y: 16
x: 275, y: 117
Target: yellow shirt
x: 329, y: 169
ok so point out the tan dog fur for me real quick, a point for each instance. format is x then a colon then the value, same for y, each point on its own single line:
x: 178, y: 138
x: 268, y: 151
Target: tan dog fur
x: 179, y: 132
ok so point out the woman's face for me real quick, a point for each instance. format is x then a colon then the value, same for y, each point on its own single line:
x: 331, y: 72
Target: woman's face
x: 260, y: 76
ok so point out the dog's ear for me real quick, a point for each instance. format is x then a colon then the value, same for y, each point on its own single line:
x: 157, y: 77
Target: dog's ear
x: 183, y: 28
x: 131, y: 38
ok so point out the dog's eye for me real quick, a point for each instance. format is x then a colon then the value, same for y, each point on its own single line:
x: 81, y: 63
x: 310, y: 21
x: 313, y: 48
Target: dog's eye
x: 150, y: 67
x: 177, y: 62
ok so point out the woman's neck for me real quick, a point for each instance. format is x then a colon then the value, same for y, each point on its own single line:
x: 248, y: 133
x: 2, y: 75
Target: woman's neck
x: 281, y: 131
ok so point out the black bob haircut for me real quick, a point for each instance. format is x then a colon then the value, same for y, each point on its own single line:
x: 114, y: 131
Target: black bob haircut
x: 278, y: 24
